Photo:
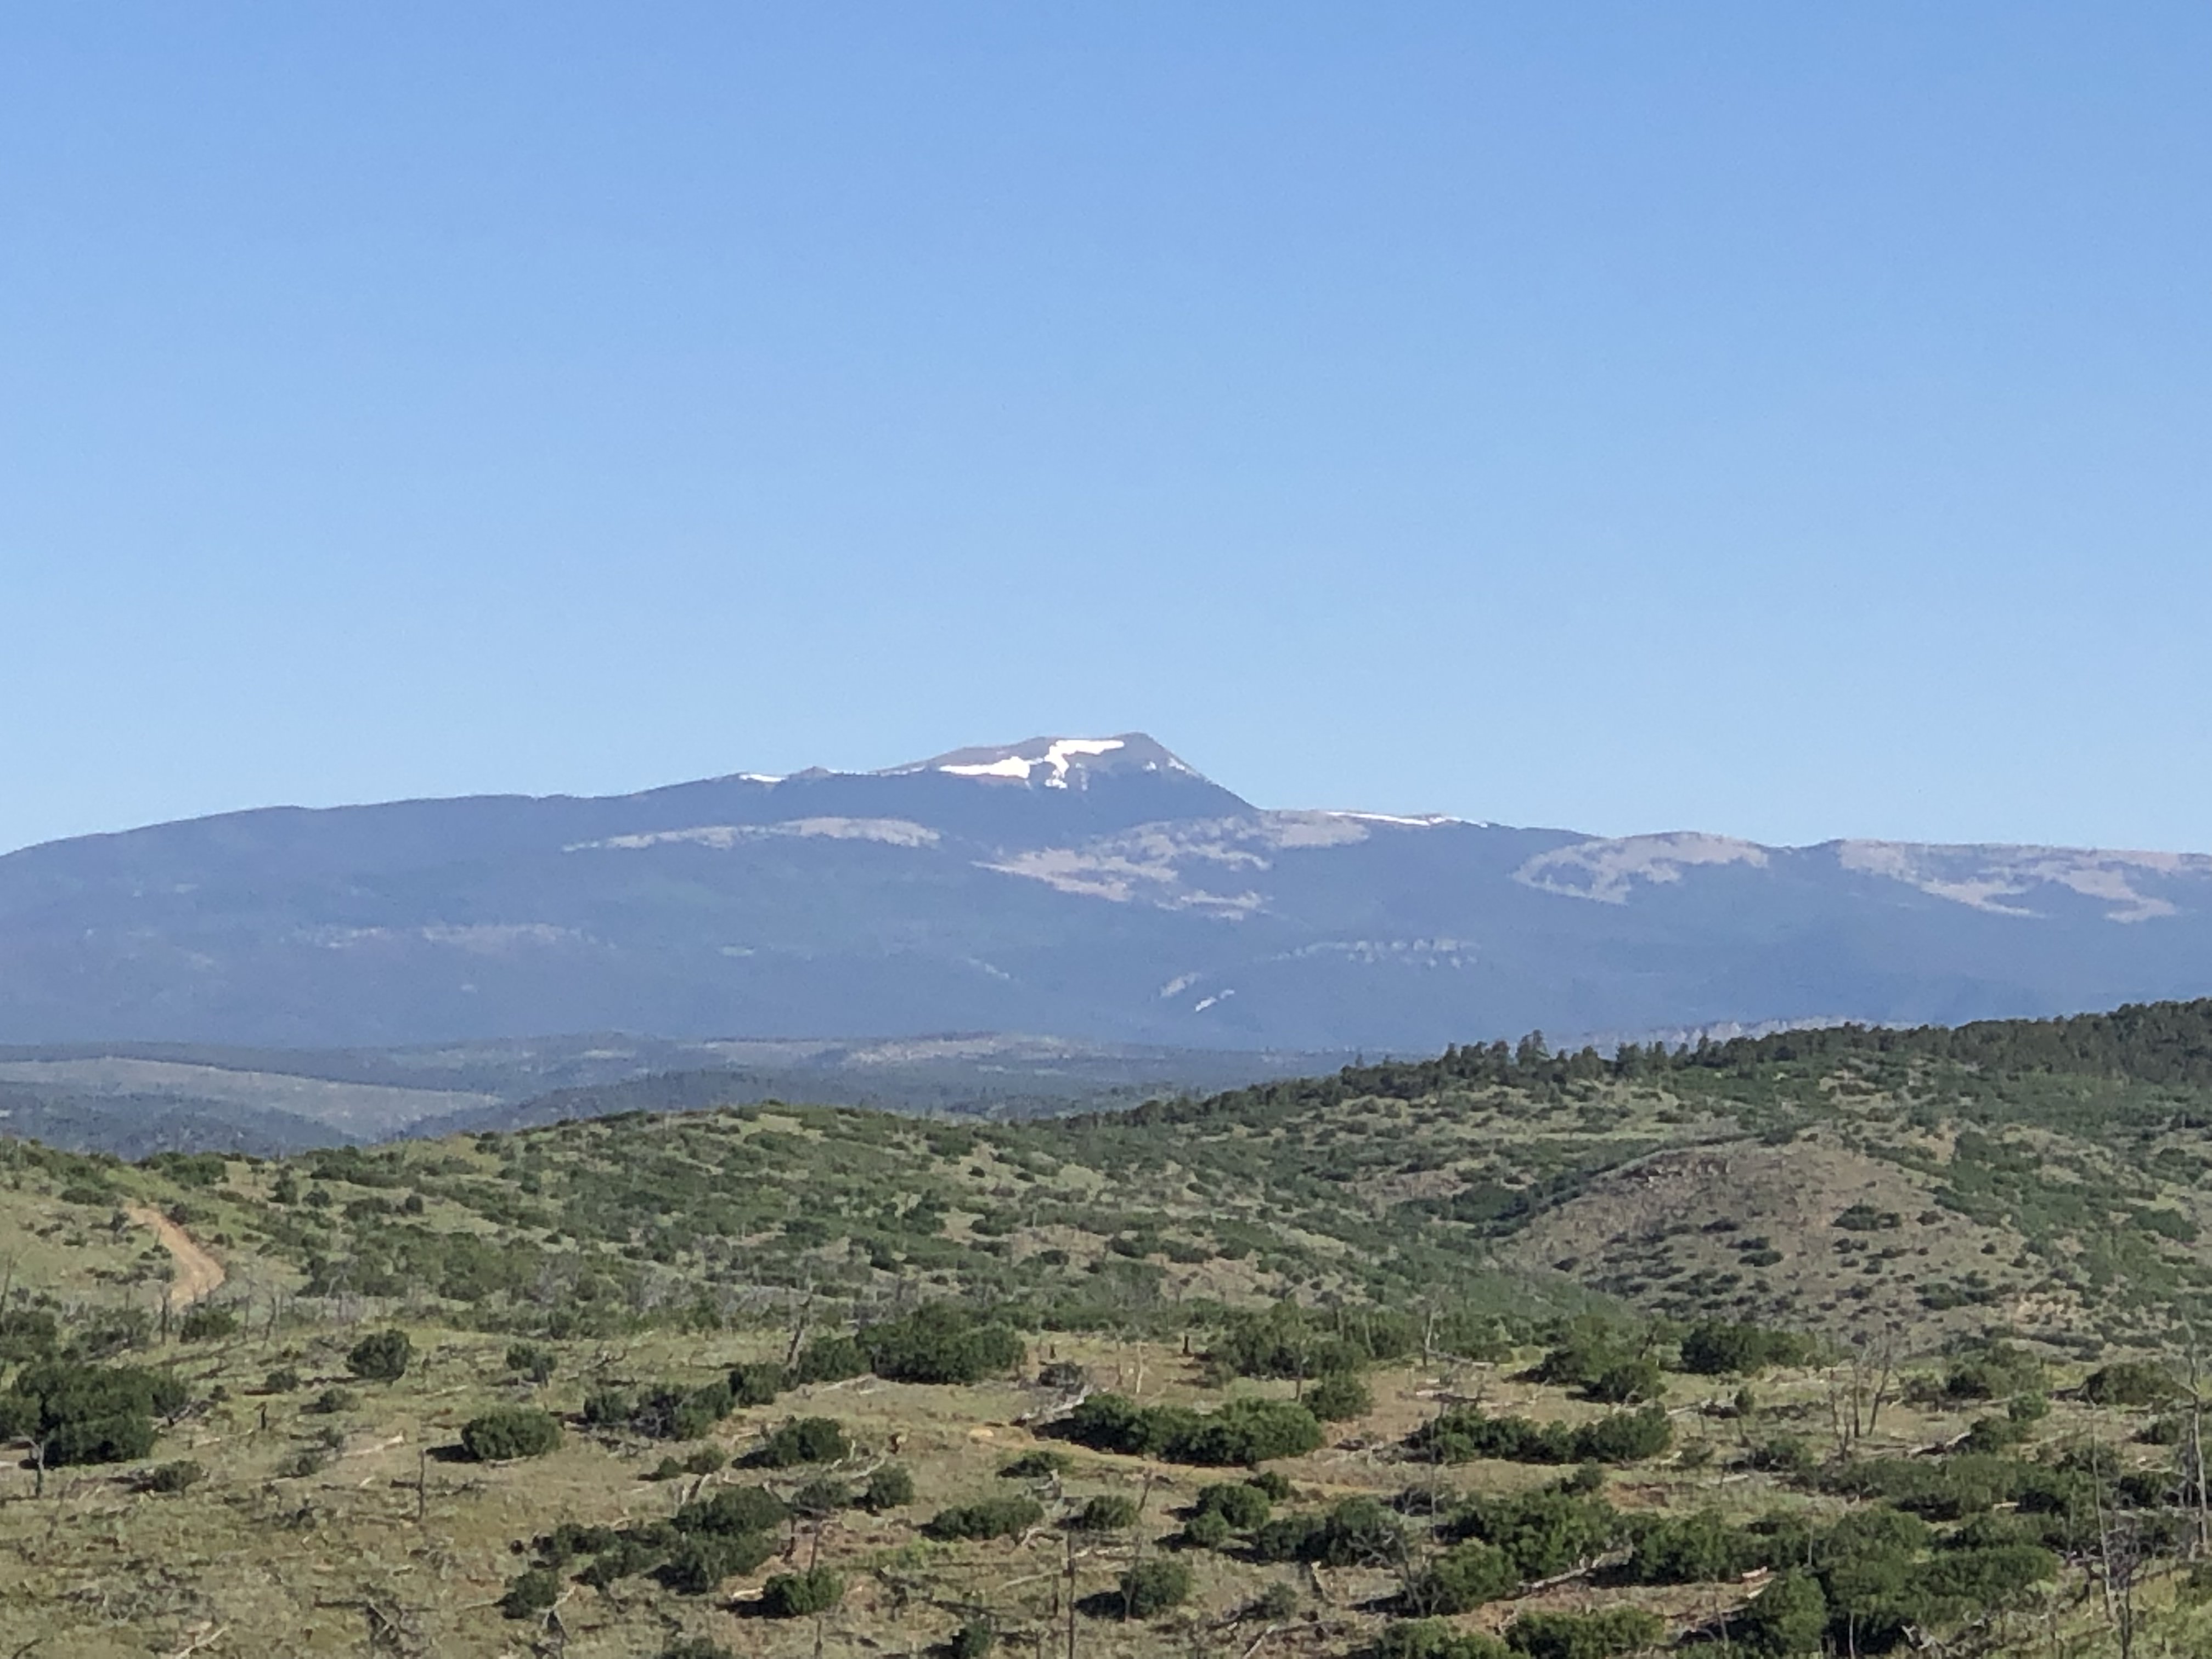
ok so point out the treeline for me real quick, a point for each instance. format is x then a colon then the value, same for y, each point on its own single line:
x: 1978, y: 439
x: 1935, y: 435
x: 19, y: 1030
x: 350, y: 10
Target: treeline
x: 2157, y: 1042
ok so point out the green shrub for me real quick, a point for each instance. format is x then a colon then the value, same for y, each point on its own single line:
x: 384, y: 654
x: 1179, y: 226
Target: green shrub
x: 1276, y: 1603
x: 1717, y: 1348
x: 994, y: 1517
x: 529, y: 1360
x: 282, y: 1380
x: 1038, y: 1465
x: 1542, y: 1533
x: 890, y: 1487
x: 1241, y: 1504
x: 2130, y: 1383
x: 972, y: 1640
x: 1605, y: 1634
x: 1153, y: 1587
x: 1207, y: 1531
x: 1359, y: 1532
x: 1992, y: 1434
x: 732, y: 1512
x: 1628, y: 1383
x: 1586, y: 1351
x: 673, y: 1413
x: 801, y: 1595
x: 695, y: 1647
x: 26, y: 1334
x: 1623, y: 1437
x: 2026, y: 1408
x: 829, y: 1359
x: 173, y: 1476
x: 1462, y: 1579
x: 1789, y: 1455
x: 204, y: 1322
x: 1341, y: 1397
x: 757, y: 1385
x: 1108, y: 1513
x: 941, y: 1344
x: 626, y: 1556
x: 701, y: 1561
x: 1466, y: 1434
x: 608, y: 1409
x: 1955, y: 1585
x: 1693, y: 1549
x: 509, y: 1432
x: 1284, y: 1341
x: 1994, y: 1372
x: 1786, y: 1618
x: 694, y: 1417
x: 534, y: 1592
x: 801, y: 1440
x: 82, y: 1414
x: 382, y: 1356
x: 1863, y: 1217
x: 1245, y: 1431
x: 820, y: 1496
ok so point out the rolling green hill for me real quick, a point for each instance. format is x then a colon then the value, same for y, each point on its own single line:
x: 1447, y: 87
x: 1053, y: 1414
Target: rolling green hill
x: 1947, y: 1277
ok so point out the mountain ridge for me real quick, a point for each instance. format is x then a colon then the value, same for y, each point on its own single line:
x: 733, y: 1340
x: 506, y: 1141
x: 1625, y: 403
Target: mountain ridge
x: 1093, y: 888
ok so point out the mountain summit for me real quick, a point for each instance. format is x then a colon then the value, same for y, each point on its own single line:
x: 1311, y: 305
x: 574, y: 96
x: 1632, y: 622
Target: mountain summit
x: 1056, y: 762
x: 1095, y: 888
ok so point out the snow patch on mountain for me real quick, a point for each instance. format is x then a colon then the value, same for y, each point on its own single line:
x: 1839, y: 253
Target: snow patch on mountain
x: 1424, y: 821
x: 1607, y: 870
x: 1054, y: 760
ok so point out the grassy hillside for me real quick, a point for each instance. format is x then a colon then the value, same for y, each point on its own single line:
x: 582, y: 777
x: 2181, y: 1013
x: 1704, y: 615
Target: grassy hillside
x: 137, y: 1099
x: 1948, y: 1278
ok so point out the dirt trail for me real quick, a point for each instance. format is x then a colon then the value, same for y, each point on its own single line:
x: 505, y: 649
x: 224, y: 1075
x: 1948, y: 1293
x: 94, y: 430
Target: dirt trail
x: 198, y: 1273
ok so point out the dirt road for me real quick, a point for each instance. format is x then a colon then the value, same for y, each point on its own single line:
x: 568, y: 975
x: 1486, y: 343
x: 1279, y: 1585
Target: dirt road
x: 198, y: 1273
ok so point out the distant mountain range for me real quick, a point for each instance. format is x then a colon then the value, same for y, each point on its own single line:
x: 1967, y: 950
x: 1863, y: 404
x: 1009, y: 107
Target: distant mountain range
x: 1094, y: 888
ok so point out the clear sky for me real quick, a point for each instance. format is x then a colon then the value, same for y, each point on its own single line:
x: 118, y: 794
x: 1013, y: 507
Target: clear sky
x: 1788, y: 419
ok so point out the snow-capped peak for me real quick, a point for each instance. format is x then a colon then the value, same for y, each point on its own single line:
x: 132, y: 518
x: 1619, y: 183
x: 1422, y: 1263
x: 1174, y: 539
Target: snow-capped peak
x: 1056, y: 762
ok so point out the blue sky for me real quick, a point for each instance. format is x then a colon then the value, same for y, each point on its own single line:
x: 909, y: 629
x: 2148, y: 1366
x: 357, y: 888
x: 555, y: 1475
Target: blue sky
x: 1789, y: 420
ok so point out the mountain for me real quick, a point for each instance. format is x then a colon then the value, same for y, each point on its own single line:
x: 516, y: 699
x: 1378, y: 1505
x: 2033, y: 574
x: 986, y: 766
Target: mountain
x: 1098, y: 889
